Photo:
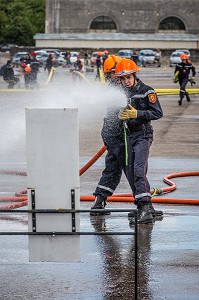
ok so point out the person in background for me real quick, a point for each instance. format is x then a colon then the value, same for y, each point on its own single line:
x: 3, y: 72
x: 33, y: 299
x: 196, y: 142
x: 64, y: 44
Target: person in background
x: 105, y: 56
x: 78, y: 64
x: 86, y: 58
x: 98, y: 64
x: 34, y: 70
x: 109, y: 70
x: 8, y: 75
x: 134, y: 57
x: 49, y: 63
x: 67, y: 58
x: 27, y: 76
x: 22, y: 63
x: 181, y: 75
x: 158, y: 56
x: 25, y: 70
x: 27, y: 59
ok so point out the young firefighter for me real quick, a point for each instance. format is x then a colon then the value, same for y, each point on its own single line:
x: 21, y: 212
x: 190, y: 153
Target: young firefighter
x: 49, y: 63
x: 79, y: 64
x: 181, y: 75
x: 143, y: 107
x: 98, y: 65
x: 113, y: 137
x: 34, y: 70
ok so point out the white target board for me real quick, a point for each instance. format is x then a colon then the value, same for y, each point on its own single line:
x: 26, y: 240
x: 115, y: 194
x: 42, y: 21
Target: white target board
x: 52, y: 139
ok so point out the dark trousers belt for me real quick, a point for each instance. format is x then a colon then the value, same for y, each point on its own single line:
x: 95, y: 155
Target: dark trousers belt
x: 139, y: 127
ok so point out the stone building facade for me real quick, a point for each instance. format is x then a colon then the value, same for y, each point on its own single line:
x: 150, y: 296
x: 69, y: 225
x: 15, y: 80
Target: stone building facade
x: 123, y: 20
x: 126, y: 16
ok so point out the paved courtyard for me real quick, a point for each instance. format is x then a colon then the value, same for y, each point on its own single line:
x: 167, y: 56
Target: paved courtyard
x: 168, y: 250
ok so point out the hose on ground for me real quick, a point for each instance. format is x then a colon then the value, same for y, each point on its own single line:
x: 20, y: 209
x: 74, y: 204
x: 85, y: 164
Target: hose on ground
x: 50, y: 75
x: 21, y: 198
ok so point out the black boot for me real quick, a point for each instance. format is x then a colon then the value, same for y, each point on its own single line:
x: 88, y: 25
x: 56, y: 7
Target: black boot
x: 132, y: 214
x: 99, y: 203
x: 188, y: 98
x: 144, y: 215
x: 155, y: 213
x: 180, y: 101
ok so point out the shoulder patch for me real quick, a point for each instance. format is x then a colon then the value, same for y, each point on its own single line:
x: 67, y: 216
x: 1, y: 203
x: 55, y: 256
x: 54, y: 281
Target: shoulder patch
x: 152, y: 98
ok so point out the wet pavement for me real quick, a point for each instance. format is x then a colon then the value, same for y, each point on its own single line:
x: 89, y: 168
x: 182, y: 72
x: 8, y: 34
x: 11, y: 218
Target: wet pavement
x: 168, y: 250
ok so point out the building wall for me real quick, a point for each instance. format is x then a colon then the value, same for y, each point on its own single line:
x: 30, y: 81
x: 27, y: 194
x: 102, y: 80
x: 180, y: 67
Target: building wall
x: 80, y: 41
x: 130, y: 16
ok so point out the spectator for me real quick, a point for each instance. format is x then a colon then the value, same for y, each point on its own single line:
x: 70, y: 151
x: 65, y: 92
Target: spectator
x: 158, y: 56
x: 134, y: 57
x: 8, y: 75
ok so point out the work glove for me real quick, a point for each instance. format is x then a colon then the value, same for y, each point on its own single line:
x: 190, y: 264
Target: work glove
x: 130, y: 113
x: 192, y: 81
x: 175, y: 77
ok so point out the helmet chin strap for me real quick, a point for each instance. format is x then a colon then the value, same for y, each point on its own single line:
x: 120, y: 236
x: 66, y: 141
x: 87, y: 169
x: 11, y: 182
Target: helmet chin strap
x: 135, y: 80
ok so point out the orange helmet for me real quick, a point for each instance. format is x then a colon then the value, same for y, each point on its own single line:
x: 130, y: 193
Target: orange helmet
x: 125, y: 67
x: 105, y: 51
x: 110, y: 63
x: 183, y: 56
x: 27, y: 69
x: 99, y: 53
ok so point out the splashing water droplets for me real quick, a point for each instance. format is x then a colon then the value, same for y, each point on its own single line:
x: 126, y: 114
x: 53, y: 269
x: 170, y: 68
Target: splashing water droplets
x: 91, y: 98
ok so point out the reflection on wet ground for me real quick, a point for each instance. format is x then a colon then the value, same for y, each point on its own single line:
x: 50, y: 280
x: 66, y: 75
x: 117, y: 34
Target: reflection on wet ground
x: 118, y: 262
x: 167, y: 251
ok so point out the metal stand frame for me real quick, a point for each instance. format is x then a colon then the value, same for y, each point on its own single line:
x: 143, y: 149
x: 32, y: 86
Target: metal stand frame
x: 73, y: 231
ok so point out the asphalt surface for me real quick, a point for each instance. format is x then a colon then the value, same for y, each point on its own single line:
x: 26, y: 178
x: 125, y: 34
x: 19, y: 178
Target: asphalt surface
x: 168, y: 249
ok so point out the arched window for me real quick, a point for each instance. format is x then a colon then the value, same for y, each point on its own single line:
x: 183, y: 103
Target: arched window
x: 171, y: 23
x: 103, y: 23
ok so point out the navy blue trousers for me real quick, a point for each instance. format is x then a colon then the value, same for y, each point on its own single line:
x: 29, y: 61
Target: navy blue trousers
x: 138, y: 152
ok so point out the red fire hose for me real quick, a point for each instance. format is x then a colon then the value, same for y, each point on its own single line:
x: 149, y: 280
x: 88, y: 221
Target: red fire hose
x: 21, y: 199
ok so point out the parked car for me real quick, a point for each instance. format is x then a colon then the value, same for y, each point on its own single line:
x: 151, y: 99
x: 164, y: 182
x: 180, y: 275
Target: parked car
x: 8, y: 47
x: 125, y: 53
x: 55, y: 52
x: 40, y: 52
x: 186, y: 51
x: 175, y: 57
x: 42, y: 58
x: 16, y: 58
x: 61, y: 61
x: 93, y: 58
x: 62, y: 54
x: 146, y: 57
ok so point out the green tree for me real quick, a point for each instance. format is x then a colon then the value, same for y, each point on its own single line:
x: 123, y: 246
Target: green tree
x: 20, y: 31
x: 20, y: 20
x: 3, y: 23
